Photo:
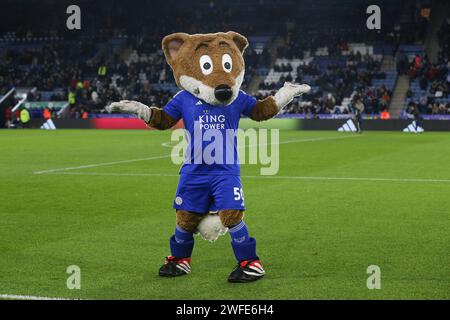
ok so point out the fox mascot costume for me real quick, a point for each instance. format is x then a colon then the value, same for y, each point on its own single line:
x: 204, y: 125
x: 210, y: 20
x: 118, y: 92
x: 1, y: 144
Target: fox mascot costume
x: 209, y: 70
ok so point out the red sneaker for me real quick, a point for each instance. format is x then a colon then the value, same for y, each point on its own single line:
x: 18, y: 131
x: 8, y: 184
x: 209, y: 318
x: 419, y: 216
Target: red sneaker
x: 247, y: 271
x: 174, y: 267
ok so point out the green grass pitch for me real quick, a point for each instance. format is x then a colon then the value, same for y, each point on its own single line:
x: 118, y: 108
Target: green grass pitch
x: 316, y: 236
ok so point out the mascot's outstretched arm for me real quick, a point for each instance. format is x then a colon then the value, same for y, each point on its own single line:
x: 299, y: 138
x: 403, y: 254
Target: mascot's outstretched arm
x: 269, y: 107
x: 264, y: 109
x: 153, y: 116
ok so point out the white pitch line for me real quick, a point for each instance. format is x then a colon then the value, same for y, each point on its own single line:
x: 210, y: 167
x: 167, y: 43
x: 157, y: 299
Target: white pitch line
x: 352, y: 178
x: 119, y: 174
x: 124, y: 174
x: 170, y: 144
x: 103, y: 164
x: 100, y: 164
x: 314, y: 139
x: 20, y: 297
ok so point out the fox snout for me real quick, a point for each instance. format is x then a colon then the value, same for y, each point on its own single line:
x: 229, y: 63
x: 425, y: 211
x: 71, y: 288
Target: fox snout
x: 223, y: 93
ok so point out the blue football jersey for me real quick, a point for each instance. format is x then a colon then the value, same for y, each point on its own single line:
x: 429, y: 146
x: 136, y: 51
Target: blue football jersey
x: 212, y: 132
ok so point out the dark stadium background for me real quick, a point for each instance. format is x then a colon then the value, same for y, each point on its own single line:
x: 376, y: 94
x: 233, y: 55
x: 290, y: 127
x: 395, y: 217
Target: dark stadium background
x: 404, y: 73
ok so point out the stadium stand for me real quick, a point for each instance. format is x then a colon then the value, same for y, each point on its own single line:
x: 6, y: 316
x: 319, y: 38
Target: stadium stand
x: 335, y: 80
x: 87, y: 70
x: 429, y: 82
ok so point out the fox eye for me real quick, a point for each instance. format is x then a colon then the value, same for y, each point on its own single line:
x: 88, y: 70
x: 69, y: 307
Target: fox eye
x: 227, y: 63
x: 206, y: 64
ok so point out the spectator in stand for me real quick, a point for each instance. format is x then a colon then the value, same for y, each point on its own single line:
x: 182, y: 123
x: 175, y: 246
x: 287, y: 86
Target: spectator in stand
x: 418, y: 62
x: 385, y: 115
x: 358, y: 108
x: 47, y: 114
x: 413, y: 113
x: 8, y: 116
x: 84, y: 114
x: 25, y: 118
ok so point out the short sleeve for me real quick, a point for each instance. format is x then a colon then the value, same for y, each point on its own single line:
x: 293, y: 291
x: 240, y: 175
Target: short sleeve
x: 248, y: 103
x: 173, y: 107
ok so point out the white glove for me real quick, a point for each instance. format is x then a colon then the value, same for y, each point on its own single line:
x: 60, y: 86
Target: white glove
x: 141, y: 110
x: 210, y: 228
x: 287, y: 93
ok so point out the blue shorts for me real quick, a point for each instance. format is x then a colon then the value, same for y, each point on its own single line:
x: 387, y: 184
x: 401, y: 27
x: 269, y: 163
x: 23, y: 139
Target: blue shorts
x: 205, y: 193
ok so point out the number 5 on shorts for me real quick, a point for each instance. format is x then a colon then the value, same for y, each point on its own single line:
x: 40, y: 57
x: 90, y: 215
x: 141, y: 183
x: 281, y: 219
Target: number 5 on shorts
x: 238, y: 194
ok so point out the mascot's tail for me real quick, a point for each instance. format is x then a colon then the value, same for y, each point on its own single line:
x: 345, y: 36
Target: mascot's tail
x: 210, y: 228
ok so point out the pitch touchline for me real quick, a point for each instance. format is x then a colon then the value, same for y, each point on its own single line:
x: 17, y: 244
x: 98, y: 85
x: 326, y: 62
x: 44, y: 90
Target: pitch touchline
x: 95, y: 165
x: 100, y: 164
x: 20, y: 297
x: 124, y: 174
x: 170, y: 144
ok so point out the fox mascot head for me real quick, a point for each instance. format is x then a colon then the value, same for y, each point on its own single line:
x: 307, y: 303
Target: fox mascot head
x: 209, y: 66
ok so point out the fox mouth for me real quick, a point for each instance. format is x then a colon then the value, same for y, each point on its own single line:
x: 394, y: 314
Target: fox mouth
x: 220, y: 95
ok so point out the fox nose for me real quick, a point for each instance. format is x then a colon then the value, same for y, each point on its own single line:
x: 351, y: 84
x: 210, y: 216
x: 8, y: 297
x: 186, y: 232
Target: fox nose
x: 223, y: 92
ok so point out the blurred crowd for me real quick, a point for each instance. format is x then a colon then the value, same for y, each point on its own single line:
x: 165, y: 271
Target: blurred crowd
x: 90, y: 77
x: 433, y: 78
x: 89, y: 72
x: 353, y: 77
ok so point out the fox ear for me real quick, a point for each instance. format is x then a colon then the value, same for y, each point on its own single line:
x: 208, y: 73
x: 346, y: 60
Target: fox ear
x: 240, y: 41
x: 171, y: 44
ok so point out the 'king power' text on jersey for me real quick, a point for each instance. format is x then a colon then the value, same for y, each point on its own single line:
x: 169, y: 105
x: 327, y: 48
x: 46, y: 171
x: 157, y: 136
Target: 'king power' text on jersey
x: 210, y: 125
